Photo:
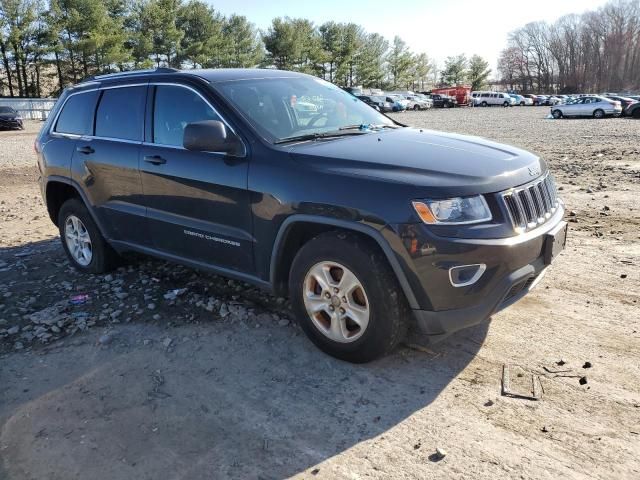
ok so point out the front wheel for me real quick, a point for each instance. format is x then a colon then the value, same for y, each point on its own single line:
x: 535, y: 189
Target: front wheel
x: 82, y: 241
x: 346, y: 297
x: 556, y: 114
x: 598, y: 114
x: 484, y: 104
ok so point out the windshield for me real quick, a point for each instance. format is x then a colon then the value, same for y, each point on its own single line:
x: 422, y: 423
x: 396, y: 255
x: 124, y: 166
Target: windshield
x: 6, y: 110
x: 280, y: 108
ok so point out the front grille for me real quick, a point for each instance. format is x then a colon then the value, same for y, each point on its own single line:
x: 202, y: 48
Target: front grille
x: 532, y: 204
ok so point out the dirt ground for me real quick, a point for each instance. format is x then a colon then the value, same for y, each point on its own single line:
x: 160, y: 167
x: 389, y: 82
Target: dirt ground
x: 216, y: 381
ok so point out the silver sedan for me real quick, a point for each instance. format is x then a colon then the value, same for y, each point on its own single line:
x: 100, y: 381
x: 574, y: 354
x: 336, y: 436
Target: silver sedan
x: 589, y: 106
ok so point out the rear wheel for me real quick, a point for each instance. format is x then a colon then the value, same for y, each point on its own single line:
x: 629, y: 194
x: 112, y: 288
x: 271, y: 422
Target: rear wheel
x: 636, y: 113
x: 505, y: 104
x: 598, y: 113
x: 416, y: 107
x: 484, y: 104
x: 346, y: 297
x: 82, y: 241
x: 556, y: 114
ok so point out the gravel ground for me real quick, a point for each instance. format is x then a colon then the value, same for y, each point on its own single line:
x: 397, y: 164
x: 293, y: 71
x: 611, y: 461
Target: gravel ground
x: 164, y: 372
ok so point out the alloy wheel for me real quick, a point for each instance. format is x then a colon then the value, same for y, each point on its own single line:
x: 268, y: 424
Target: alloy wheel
x: 78, y: 240
x: 336, y: 302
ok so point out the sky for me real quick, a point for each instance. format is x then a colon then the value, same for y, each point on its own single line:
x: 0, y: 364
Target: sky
x: 436, y: 27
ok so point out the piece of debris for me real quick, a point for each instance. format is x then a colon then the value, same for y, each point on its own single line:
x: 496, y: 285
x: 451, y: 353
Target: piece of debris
x: 531, y: 391
x: 488, y: 403
x: 586, y: 365
x: 583, y: 380
x: 423, y: 349
x: 624, y: 275
x: 441, y: 453
x: 560, y: 362
x: 315, y: 471
x: 173, y: 294
x: 79, y: 299
x: 548, y: 370
x: 544, y: 429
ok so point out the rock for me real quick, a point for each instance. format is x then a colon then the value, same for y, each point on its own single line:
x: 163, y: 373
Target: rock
x: 488, y: 403
x: 106, y: 339
x: 582, y: 381
x: 167, y: 342
x: 115, y: 314
x: 624, y: 275
x: 224, y: 310
x: 173, y: 294
x: 586, y: 365
x: 283, y: 323
x: 441, y: 453
x: 13, y: 330
x: 121, y: 295
x: 544, y: 429
x: 589, y: 190
x: 151, y: 306
x: 156, y: 316
x: 18, y: 346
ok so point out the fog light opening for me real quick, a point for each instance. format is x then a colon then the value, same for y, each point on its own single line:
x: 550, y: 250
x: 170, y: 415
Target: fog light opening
x: 465, y: 275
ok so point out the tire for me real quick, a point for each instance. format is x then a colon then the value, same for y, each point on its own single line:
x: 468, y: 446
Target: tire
x: 484, y: 104
x: 522, y: 104
x: 556, y: 114
x: 416, y: 108
x: 505, y: 104
x: 636, y: 113
x: 102, y: 257
x: 378, y: 292
x: 599, y: 113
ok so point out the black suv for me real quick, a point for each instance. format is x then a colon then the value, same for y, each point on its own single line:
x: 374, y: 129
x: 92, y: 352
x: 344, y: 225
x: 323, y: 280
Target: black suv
x: 443, y: 101
x: 288, y: 182
x: 9, y: 118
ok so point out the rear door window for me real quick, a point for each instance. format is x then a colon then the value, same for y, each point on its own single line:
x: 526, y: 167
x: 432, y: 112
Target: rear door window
x: 174, y: 108
x: 120, y: 113
x: 76, y: 116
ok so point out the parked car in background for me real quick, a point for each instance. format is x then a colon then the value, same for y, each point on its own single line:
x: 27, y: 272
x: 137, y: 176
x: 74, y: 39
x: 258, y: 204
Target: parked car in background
x: 624, y: 101
x: 534, y: 98
x: 521, y: 99
x: 399, y: 103
x: 379, y: 103
x: 461, y: 93
x: 418, y: 102
x: 10, y: 118
x: 487, y: 99
x: 633, y: 110
x: 591, y: 106
x: 443, y: 101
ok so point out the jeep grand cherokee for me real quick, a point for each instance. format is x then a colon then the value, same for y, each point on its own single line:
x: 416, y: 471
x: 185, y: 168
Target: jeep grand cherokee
x: 288, y: 182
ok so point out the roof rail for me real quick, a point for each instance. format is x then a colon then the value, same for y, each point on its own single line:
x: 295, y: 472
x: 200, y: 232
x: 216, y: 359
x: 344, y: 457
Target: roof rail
x: 130, y: 72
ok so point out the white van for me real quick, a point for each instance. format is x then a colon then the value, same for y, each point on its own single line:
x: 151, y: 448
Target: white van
x: 486, y: 99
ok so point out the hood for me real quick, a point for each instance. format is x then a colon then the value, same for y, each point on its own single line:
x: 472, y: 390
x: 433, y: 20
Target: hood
x: 443, y: 162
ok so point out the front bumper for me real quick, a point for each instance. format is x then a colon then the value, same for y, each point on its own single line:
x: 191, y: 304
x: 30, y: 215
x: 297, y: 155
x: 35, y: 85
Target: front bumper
x: 514, y: 266
x: 11, y: 123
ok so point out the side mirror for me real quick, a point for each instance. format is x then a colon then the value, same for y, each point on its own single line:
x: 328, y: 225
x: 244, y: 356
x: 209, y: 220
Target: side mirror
x: 211, y: 136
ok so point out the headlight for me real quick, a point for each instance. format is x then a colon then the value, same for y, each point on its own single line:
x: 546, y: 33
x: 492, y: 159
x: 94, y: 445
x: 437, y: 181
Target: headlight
x: 458, y: 210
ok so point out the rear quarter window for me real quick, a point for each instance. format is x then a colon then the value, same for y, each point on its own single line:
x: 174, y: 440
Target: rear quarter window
x: 120, y: 113
x: 76, y: 116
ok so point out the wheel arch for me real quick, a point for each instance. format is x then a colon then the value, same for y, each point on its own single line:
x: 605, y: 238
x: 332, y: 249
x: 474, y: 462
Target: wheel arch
x: 60, y: 189
x: 296, y: 230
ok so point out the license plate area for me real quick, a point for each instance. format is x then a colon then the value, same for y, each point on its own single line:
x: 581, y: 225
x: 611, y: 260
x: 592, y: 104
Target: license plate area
x: 554, y: 242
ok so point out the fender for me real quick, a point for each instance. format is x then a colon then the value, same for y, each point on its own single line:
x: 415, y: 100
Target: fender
x: 81, y: 193
x: 365, y: 229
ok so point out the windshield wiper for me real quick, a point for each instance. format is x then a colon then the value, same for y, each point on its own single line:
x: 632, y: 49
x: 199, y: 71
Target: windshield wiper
x: 367, y: 126
x: 316, y: 136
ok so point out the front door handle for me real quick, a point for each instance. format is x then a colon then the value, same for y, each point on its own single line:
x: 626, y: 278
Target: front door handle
x: 155, y: 159
x: 86, y: 150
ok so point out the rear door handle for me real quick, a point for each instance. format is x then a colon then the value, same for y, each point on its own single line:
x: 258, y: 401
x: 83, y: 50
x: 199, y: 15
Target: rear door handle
x: 155, y: 159
x: 86, y: 149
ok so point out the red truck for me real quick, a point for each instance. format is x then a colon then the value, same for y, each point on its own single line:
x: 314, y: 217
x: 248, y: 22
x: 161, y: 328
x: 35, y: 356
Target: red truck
x: 461, y: 93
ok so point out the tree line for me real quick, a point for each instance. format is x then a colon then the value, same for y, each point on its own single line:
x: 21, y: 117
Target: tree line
x: 46, y: 45
x: 598, y: 51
